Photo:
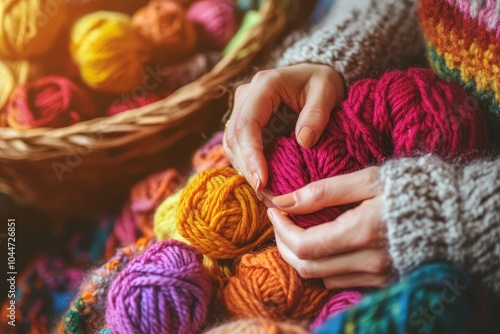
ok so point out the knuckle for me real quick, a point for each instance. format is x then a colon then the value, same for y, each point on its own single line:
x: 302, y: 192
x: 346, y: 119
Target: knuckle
x: 240, y: 91
x: 304, y: 269
x: 372, y: 175
x: 317, y: 190
x: 265, y: 77
x: 378, y: 264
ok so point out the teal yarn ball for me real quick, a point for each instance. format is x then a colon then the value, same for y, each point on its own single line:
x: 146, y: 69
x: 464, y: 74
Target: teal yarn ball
x: 436, y: 298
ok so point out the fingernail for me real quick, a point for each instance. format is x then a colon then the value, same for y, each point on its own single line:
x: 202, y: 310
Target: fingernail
x: 256, y: 183
x: 306, y: 137
x: 284, y: 201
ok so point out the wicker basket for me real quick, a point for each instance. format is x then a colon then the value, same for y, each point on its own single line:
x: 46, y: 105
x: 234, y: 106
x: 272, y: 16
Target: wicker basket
x: 83, y: 168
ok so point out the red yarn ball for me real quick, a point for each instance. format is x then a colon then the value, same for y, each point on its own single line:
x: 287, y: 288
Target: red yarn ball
x: 49, y: 102
x: 217, y: 21
x: 128, y: 103
x: 400, y: 114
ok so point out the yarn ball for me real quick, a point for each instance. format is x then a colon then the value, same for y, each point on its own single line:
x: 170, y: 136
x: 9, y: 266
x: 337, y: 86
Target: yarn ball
x: 165, y: 290
x: 165, y: 224
x: 86, y: 313
x: 435, y: 298
x: 220, y: 215
x: 257, y: 326
x: 266, y: 286
x: 29, y: 27
x: 14, y: 74
x: 337, y: 304
x: 211, y: 155
x: 49, y: 102
x: 110, y: 55
x: 165, y: 25
x: 217, y: 22
x: 183, y: 73
x: 121, y: 105
x: 403, y: 113
x: 137, y: 216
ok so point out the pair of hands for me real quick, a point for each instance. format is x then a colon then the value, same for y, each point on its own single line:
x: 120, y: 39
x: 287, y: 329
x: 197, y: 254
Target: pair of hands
x: 347, y: 252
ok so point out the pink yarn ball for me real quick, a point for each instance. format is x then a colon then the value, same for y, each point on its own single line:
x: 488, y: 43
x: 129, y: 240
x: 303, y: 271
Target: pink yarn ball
x: 338, y: 303
x: 121, y: 105
x: 217, y: 21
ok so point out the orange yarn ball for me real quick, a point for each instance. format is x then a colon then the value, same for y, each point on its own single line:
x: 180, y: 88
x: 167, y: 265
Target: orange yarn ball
x: 220, y: 215
x: 258, y: 326
x: 266, y: 286
x: 166, y: 26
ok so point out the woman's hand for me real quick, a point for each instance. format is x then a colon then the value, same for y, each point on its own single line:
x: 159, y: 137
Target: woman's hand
x: 312, y: 90
x: 348, y: 252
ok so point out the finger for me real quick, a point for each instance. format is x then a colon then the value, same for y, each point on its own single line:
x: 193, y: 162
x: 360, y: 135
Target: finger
x: 367, y: 261
x: 359, y: 280
x: 321, y: 99
x: 361, y: 227
x: 343, y: 189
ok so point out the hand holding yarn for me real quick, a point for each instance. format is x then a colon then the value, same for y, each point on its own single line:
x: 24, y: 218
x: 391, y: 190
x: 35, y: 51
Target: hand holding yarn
x: 312, y: 90
x: 347, y: 252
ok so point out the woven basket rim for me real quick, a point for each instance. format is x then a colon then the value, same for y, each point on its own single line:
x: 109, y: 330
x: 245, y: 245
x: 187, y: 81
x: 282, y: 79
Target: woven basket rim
x: 43, y: 143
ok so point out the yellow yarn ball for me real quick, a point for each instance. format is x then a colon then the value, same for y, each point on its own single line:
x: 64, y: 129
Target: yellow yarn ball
x: 14, y: 74
x: 110, y: 54
x: 29, y: 27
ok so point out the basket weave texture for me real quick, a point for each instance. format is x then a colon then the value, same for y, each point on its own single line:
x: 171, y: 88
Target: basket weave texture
x: 80, y: 169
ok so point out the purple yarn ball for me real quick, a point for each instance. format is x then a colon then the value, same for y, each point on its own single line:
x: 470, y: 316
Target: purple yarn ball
x: 217, y: 21
x: 165, y: 290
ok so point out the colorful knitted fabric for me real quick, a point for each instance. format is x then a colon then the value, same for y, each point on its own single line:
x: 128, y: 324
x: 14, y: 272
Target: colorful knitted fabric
x: 48, y: 283
x: 435, y: 298
x: 86, y: 312
x: 463, y: 45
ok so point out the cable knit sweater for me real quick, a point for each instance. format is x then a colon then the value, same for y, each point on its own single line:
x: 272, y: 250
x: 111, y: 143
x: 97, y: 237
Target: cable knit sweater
x: 433, y: 210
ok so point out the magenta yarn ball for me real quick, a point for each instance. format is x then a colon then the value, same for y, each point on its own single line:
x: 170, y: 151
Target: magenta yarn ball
x: 165, y: 290
x: 217, y: 22
x: 121, y: 105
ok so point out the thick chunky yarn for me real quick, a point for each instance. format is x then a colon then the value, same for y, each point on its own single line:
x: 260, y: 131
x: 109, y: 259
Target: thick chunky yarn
x: 266, y: 286
x: 111, y: 56
x: 29, y: 27
x: 463, y: 44
x: 435, y: 298
x: 165, y: 25
x: 338, y: 303
x: 211, y: 154
x: 86, y: 314
x: 221, y: 216
x: 137, y: 217
x: 165, y: 290
x: 15, y: 74
x: 120, y: 105
x: 399, y: 114
x: 49, y: 102
x: 216, y: 20
x: 257, y: 326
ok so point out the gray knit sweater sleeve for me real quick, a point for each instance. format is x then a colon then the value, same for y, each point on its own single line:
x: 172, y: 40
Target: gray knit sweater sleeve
x: 435, y: 210
x: 359, y: 36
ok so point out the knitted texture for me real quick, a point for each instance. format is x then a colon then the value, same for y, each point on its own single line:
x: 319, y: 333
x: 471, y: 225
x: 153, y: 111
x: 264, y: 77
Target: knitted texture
x: 257, y: 326
x: 436, y: 298
x: 435, y: 210
x: 137, y: 217
x: 338, y: 303
x: 165, y: 290
x: 266, y: 286
x: 86, y: 312
x: 220, y: 215
x: 400, y: 114
x: 463, y: 44
x: 355, y: 38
